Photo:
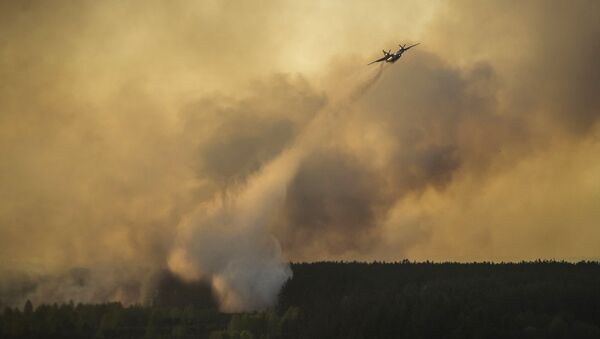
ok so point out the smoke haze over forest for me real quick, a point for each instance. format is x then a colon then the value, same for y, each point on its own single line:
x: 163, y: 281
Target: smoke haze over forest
x: 221, y: 140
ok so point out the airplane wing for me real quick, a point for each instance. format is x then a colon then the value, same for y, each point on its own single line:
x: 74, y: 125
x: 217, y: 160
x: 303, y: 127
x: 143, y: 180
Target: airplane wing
x: 378, y: 60
x: 411, y: 46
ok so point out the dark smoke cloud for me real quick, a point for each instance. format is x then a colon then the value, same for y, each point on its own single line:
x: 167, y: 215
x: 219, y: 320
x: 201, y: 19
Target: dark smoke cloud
x: 546, y: 52
x: 332, y: 201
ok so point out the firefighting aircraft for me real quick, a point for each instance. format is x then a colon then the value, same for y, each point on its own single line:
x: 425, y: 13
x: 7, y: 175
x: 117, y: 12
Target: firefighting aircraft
x: 393, y: 57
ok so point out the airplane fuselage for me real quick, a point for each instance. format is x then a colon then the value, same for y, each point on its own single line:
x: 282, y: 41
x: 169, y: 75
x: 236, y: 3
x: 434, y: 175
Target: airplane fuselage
x: 394, y: 56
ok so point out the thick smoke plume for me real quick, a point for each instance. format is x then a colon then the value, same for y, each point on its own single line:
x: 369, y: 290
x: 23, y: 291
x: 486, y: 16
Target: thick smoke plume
x: 227, y: 241
x: 219, y: 141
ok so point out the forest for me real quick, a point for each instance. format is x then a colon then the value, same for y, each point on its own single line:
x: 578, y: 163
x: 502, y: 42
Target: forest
x: 542, y: 299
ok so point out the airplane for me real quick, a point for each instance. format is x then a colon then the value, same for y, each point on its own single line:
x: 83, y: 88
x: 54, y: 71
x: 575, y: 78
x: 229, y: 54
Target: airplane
x: 393, y: 57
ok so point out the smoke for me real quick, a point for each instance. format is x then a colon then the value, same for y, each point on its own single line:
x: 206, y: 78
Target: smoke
x: 128, y: 285
x: 227, y: 241
x: 362, y: 88
x: 227, y: 244
x: 219, y: 141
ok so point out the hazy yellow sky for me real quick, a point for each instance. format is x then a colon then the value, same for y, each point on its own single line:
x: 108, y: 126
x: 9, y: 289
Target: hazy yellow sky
x: 124, y: 126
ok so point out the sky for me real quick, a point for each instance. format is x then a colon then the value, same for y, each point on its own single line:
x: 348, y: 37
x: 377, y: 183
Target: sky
x: 220, y: 140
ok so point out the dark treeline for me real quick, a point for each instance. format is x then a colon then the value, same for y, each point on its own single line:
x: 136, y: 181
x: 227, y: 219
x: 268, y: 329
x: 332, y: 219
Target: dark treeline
x: 352, y: 300
x: 427, y: 300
